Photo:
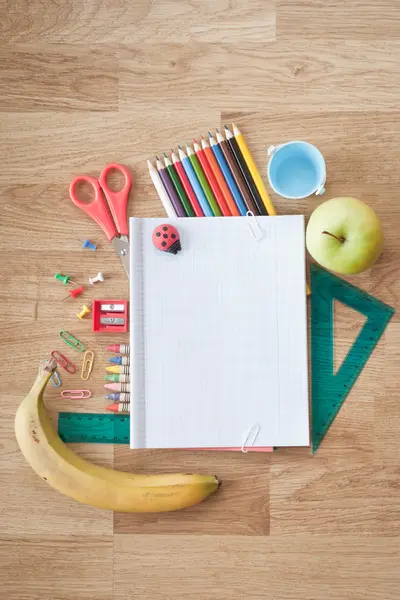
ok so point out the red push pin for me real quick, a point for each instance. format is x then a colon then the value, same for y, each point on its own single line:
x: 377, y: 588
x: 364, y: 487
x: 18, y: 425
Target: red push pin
x: 74, y: 293
x: 166, y: 238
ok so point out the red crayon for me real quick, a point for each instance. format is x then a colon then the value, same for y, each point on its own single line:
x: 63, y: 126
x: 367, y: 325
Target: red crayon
x: 216, y: 190
x: 124, y: 407
x: 119, y: 348
x: 187, y: 186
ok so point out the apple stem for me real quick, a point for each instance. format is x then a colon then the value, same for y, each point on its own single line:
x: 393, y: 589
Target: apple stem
x: 341, y: 239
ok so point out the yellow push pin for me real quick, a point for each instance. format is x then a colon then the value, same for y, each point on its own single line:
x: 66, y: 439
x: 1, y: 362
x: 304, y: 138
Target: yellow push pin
x: 85, y: 311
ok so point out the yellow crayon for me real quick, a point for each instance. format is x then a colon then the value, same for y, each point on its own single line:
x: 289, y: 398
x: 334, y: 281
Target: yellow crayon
x: 125, y: 369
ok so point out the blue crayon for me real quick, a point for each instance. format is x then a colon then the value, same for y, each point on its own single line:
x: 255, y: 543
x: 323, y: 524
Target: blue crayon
x: 223, y: 165
x: 191, y: 175
x: 119, y: 397
x: 119, y: 360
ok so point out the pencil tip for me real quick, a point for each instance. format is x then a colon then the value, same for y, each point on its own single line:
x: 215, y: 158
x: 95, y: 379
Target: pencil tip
x: 165, y: 154
x: 157, y: 158
x: 217, y: 130
x: 209, y: 134
x: 226, y: 127
x: 201, y: 137
x: 194, y: 141
x: 179, y: 147
x: 173, y: 151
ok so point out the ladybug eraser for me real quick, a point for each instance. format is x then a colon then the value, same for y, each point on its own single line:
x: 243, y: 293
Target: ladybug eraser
x: 166, y: 238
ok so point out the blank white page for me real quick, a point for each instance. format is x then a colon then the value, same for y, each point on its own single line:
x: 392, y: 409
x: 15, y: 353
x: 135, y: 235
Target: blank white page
x: 218, y: 334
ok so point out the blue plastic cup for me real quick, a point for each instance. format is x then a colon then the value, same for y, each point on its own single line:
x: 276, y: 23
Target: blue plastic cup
x: 296, y: 170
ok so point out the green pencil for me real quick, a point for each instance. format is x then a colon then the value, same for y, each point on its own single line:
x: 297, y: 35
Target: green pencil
x: 178, y: 187
x: 203, y: 181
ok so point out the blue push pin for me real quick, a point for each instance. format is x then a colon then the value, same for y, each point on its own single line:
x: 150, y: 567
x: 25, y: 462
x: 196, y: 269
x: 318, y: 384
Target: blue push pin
x: 89, y: 244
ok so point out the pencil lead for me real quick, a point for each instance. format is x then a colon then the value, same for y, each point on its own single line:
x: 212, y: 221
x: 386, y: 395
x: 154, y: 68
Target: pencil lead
x: 179, y: 147
x: 217, y: 130
x: 165, y: 154
x: 226, y: 127
x: 173, y: 151
x: 194, y: 141
x: 201, y: 137
x: 210, y: 134
x: 157, y: 158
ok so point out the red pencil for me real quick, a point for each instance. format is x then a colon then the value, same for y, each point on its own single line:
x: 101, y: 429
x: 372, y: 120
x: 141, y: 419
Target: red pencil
x: 220, y: 178
x: 216, y: 190
x: 187, y: 185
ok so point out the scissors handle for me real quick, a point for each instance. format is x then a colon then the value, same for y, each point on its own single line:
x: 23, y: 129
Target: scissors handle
x: 97, y: 208
x: 117, y: 201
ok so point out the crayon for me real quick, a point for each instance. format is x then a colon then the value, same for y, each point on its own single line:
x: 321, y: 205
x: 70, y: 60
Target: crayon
x: 119, y: 397
x: 117, y: 377
x: 120, y: 360
x: 119, y: 348
x: 124, y: 407
x: 118, y: 387
x: 125, y: 369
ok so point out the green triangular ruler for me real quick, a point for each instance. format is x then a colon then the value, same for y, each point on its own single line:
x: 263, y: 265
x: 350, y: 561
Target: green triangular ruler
x: 330, y: 390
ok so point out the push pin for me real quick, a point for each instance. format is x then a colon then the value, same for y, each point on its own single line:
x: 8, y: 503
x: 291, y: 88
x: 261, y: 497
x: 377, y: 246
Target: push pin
x: 89, y: 244
x: 99, y: 277
x: 166, y: 238
x: 74, y: 293
x: 64, y: 278
x: 85, y: 311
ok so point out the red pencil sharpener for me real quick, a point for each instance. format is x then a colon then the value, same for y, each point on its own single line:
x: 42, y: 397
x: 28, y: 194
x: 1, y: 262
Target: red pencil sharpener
x: 110, y: 316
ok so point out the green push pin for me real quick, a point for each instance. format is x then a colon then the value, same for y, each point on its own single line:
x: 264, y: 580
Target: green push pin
x: 64, y: 279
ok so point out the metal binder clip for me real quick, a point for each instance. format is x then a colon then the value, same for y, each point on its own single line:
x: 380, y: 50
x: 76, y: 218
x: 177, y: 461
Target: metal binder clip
x: 87, y: 365
x: 71, y: 340
x: 256, y: 231
x: 63, y: 362
x: 251, y: 436
x: 76, y: 394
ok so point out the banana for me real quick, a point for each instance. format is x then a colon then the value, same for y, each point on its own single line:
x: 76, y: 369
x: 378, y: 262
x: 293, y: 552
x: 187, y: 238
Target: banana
x: 88, y: 483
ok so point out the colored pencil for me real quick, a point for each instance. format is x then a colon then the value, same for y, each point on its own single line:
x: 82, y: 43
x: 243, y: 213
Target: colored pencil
x: 240, y: 182
x: 187, y: 165
x: 161, y: 191
x: 120, y: 348
x: 233, y: 188
x: 178, y: 187
x: 244, y: 169
x: 176, y: 203
x: 187, y: 185
x: 212, y: 181
x: 220, y: 178
x: 118, y: 387
x: 203, y: 181
x: 123, y: 407
x: 254, y: 171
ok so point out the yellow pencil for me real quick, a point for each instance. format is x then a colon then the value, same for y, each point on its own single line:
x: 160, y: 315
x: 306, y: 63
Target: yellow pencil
x: 119, y: 369
x: 254, y: 171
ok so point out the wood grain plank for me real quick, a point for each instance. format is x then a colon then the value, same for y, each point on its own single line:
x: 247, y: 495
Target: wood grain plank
x: 66, y: 568
x: 61, y: 78
x: 239, y: 507
x: 145, y: 21
x: 339, y: 20
x: 298, y: 76
x: 294, y: 567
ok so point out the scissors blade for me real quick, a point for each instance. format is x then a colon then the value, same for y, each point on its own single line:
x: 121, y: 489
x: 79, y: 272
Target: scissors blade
x: 121, y: 247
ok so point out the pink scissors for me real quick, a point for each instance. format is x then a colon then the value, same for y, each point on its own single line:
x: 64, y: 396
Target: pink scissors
x: 107, y: 201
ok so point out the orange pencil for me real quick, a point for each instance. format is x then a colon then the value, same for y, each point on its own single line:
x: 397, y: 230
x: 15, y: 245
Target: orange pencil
x: 213, y: 183
x: 220, y: 178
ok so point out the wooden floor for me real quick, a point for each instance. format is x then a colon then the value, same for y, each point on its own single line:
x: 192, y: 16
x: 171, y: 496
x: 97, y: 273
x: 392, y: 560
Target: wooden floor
x: 85, y: 82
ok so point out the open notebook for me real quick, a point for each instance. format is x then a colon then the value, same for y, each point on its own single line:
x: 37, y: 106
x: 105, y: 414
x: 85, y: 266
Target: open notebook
x: 219, y: 335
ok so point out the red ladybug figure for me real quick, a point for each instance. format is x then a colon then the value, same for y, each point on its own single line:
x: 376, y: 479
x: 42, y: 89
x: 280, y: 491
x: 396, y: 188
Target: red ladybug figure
x: 166, y: 238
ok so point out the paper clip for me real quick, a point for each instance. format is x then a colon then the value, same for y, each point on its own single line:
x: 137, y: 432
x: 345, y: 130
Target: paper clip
x: 63, y: 362
x: 55, y: 378
x: 252, y: 433
x: 71, y: 340
x: 256, y: 232
x: 87, y: 365
x: 76, y: 394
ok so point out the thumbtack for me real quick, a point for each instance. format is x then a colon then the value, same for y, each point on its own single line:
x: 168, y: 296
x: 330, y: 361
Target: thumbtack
x: 89, y: 244
x: 74, y: 293
x: 64, y: 278
x: 99, y: 277
x: 85, y: 311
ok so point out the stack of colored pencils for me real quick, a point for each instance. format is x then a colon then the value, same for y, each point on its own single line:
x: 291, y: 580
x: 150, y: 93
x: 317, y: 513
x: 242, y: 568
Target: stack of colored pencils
x: 216, y: 177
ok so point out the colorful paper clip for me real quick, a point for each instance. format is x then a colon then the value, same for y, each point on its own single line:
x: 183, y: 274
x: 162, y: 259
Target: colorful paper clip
x: 71, y: 340
x: 55, y: 378
x: 63, y: 362
x: 76, y: 394
x: 87, y: 365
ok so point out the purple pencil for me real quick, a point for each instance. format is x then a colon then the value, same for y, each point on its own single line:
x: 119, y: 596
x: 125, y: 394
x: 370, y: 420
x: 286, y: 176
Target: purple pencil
x: 169, y: 186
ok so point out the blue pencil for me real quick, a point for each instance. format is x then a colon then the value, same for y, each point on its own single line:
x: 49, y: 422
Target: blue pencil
x: 187, y: 165
x: 223, y: 165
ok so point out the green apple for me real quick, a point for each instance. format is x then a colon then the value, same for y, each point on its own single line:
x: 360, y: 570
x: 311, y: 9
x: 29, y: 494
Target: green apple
x: 344, y: 235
